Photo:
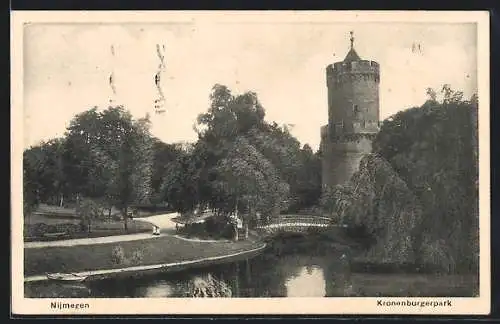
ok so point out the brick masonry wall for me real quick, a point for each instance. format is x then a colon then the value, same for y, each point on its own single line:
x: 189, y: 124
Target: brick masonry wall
x: 341, y: 159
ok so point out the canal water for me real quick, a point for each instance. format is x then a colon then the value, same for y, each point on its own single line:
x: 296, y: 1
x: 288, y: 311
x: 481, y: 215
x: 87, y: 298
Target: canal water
x: 289, y: 268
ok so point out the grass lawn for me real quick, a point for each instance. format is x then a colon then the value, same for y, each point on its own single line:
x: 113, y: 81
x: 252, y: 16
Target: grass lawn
x: 164, y: 249
x: 51, y: 209
x: 98, y: 228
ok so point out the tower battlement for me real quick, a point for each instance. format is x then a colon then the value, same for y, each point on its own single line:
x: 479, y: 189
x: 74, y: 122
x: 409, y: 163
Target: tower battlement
x: 340, y: 73
x: 361, y: 66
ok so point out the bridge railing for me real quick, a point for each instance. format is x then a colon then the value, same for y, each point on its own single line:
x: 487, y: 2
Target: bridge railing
x: 286, y: 216
x: 313, y: 220
x: 295, y: 221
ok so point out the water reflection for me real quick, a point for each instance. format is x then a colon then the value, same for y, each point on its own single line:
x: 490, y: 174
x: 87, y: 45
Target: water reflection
x: 310, y: 282
x: 160, y: 289
x: 287, y: 270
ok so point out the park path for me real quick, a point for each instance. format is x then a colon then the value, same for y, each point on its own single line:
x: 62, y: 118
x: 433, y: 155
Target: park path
x: 163, y: 221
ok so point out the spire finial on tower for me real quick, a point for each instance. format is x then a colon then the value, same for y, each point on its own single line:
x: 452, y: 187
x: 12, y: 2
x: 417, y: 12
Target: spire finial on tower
x: 352, y: 38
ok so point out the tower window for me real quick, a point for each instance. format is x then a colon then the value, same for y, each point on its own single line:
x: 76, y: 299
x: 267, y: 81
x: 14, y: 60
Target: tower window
x: 355, y: 109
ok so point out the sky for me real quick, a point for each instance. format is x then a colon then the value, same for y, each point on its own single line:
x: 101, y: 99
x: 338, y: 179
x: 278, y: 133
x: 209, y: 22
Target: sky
x: 66, y: 69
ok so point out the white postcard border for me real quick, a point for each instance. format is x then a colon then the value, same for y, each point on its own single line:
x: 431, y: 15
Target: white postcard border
x: 166, y: 306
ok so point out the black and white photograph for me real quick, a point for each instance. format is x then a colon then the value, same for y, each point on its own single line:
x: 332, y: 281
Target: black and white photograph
x: 250, y: 162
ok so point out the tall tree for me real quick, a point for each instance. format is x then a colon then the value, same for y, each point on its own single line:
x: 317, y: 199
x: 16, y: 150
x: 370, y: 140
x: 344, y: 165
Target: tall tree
x: 43, y: 165
x: 31, y: 181
x: 180, y: 183
x: 82, y: 137
x: 250, y: 182
x: 231, y: 132
x: 109, y: 154
x: 164, y: 155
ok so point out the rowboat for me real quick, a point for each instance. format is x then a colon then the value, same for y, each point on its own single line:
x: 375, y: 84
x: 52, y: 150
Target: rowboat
x: 71, y: 277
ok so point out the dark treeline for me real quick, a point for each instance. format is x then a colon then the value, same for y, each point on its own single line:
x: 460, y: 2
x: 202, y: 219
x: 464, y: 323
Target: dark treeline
x: 416, y: 195
x: 240, y: 161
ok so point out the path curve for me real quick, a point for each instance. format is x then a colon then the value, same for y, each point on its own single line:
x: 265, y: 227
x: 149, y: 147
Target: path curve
x: 163, y: 221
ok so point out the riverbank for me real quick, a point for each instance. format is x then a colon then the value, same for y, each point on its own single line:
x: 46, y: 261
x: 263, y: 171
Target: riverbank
x: 154, y: 253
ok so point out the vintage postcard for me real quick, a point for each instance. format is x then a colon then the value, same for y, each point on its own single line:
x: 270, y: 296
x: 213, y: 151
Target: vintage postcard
x: 298, y: 162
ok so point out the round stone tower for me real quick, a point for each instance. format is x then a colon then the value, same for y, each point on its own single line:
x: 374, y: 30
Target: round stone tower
x: 353, y: 116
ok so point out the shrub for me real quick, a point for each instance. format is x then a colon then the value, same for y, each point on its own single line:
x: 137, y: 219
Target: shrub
x: 36, y: 230
x: 136, y: 257
x: 89, y: 209
x: 118, y: 255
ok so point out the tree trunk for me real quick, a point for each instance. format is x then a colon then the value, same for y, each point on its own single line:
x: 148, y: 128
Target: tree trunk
x: 125, y: 219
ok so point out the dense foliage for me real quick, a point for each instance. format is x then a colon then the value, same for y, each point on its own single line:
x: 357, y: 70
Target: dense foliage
x: 417, y: 195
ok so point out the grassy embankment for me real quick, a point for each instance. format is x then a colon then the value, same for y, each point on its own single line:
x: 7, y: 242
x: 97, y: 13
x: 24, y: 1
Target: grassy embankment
x: 158, y: 250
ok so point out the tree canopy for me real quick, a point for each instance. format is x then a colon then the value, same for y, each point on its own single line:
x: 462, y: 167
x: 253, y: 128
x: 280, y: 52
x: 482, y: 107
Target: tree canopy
x: 104, y: 155
x: 248, y: 159
x: 240, y: 162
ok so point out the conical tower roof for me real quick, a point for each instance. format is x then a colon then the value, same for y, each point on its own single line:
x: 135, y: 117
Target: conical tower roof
x: 352, y: 55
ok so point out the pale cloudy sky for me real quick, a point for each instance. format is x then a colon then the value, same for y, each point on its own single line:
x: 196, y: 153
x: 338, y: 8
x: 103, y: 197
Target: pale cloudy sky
x: 66, y: 69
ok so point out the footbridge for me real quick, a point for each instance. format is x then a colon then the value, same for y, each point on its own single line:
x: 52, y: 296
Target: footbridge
x: 300, y: 224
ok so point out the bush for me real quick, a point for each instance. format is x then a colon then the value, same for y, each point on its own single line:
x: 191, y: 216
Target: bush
x: 35, y: 230
x: 39, y: 229
x: 89, y: 209
x: 211, y: 229
x: 136, y: 257
x: 118, y: 255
